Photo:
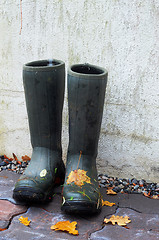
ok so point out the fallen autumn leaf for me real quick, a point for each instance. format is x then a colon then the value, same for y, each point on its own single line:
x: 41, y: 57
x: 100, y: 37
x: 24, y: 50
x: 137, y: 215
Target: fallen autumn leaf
x: 66, y: 226
x: 107, y: 203
x: 120, y: 220
x: 24, y: 221
x: 111, y: 192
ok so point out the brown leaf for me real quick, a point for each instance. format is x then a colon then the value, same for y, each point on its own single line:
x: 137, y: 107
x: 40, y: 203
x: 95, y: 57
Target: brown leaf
x: 24, y: 221
x: 111, y: 192
x: 26, y: 158
x: 15, y: 158
x: 120, y: 220
x: 78, y: 177
x: 2, y: 229
x: 66, y: 226
x: 107, y: 203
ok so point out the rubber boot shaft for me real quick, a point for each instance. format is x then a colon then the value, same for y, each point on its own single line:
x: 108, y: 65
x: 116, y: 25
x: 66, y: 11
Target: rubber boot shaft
x: 44, y: 93
x: 86, y: 94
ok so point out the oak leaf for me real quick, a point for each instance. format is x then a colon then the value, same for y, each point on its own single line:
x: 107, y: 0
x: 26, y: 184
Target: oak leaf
x: 111, y: 192
x: 107, y: 203
x: 78, y: 177
x: 120, y: 220
x: 66, y: 226
x: 24, y: 221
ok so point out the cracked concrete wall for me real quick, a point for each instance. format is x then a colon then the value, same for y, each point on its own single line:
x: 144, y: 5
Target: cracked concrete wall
x: 120, y: 35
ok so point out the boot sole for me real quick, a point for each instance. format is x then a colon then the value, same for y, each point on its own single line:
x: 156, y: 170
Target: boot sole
x: 80, y: 207
x: 30, y: 195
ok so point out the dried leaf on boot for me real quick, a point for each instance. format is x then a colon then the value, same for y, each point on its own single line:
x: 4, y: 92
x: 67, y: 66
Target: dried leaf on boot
x: 78, y: 177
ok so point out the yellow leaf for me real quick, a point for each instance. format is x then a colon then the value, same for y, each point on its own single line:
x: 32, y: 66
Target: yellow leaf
x: 111, y: 192
x: 66, y: 226
x: 107, y: 203
x: 24, y: 221
x: 120, y: 220
x: 78, y: 177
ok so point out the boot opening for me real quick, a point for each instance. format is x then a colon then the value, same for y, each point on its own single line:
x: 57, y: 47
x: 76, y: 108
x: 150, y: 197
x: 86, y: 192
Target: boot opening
x: 43, y: 63
x: 86, y: 69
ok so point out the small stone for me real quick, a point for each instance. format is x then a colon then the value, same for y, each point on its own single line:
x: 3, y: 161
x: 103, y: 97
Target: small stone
x: 139, y: 190
x: 14, y: 162
x: 116, y: 183
x: 9, y: 166
x: 134, y: 181
x: 136, y: 187
x: 103, y: 181
x: 148, y: 182
x: 121, y: 186
x: 116, y: 189
x: 124, y: 183
x: 120, y: 180
x: 129, y: 181
x: 102, y: 185
x: 3, y: 164
x: 142, y: 182
x: 24, y: 164
x: 127, y: 190
x: 104, y: 177
x: 100, y: 175
x: 13, y: 167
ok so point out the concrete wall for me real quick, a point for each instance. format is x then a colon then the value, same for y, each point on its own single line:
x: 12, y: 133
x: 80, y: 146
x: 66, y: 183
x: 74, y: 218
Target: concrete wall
x: 120, y: 35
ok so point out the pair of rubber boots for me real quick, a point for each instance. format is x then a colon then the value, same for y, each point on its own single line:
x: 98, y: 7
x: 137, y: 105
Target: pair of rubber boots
x: 44, y: 85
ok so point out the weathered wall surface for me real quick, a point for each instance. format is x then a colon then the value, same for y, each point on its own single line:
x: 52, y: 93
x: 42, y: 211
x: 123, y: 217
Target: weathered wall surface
x: 120, y: 35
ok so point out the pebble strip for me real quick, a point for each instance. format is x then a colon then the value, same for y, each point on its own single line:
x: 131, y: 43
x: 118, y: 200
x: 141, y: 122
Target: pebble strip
x: 122, y: 185
x: 118, y: 185
x: 12, y: 165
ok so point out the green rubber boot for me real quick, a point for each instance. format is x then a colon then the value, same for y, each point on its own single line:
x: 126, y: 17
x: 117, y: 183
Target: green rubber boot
x: 86, y: 93
x: 44, y: 84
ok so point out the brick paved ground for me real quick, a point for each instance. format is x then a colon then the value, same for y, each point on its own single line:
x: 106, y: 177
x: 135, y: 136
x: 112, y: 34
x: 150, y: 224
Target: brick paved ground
x: 143, y: 212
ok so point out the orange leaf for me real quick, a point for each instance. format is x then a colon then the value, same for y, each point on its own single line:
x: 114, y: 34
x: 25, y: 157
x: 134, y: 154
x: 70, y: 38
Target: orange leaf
x: 111, y: 192
x: 107, y: 203
x: 78, y: 177
x: 26, y: 158
x: 24, y: 221
x: 120, y: 220
x: 2, y: 229
x: 15, y: 157
x: 66, y: 226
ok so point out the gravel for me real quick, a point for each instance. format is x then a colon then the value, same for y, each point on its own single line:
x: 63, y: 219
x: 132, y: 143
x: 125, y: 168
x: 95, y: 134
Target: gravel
x: 130, y: 186
x: 12, y: 165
